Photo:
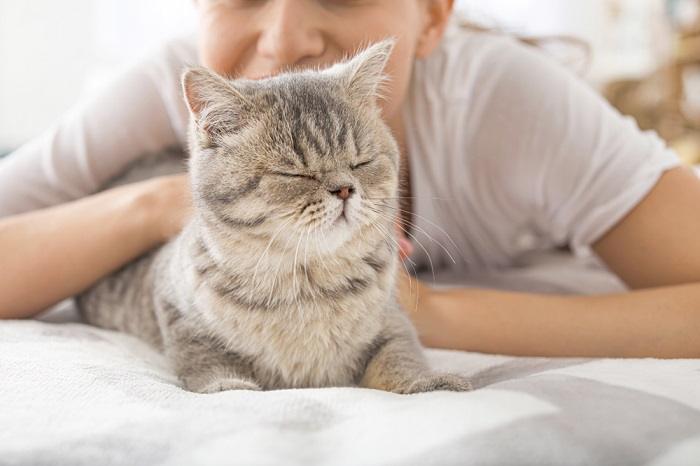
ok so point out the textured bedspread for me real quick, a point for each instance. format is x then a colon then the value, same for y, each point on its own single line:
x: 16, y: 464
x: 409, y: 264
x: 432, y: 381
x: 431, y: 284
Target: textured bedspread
x: 72, y: 394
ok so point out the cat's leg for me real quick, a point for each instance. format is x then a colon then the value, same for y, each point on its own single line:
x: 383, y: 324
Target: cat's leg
x: 206, y: 366
x: 396, y: 363
x: 205, y: 369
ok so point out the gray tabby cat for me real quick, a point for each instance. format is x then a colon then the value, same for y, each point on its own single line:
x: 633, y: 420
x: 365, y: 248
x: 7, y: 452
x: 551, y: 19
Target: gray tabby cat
x: 285, y: 275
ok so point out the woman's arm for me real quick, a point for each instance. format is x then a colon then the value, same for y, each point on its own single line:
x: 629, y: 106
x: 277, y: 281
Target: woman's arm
x: 660, y: 323
x: 140, y: 111
x: 47, y: 255
x: 53, y: 254
x: 655, y: 247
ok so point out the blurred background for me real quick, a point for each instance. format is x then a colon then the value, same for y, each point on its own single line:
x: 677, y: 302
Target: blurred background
x: 644, y: 54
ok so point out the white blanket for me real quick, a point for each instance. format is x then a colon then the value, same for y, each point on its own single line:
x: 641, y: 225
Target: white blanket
x: 71, y: 394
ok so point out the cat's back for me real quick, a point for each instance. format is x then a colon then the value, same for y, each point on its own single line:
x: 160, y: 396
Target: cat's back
x: 125, y: 300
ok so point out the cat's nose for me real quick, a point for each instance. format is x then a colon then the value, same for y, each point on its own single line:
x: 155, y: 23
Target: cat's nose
x: 343, y: 192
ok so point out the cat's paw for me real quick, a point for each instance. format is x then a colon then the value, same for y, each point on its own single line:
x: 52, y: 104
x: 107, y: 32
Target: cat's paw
x: 435, y: 382
x: 228, y: 383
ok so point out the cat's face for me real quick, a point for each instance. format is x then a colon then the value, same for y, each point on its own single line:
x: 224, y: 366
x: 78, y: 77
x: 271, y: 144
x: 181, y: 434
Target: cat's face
x: 299, y: 156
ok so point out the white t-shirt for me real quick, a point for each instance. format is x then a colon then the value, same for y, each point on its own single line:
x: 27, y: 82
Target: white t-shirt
x: 508, y: 150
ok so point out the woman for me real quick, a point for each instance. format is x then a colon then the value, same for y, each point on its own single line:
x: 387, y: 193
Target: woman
x: 497, y: 141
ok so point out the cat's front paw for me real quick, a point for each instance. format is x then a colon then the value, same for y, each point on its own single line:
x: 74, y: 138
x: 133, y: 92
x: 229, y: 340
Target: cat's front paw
x: 435, y: 382
x: 228, y: 383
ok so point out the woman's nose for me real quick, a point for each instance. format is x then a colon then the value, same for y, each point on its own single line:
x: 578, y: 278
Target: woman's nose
x: 289, y: 35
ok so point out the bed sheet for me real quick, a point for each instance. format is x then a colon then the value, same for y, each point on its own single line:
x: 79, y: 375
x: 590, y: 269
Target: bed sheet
x: 71, y: 394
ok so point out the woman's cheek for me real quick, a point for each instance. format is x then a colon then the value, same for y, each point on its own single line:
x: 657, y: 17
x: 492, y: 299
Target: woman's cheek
x: 222, y: 41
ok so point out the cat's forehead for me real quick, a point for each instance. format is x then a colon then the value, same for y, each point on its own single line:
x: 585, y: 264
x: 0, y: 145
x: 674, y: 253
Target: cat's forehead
x: 306, y: 120
x: 299, y: 97
x: 313, y: 122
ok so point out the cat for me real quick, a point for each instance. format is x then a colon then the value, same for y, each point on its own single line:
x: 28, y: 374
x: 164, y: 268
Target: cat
x: 285, y: 275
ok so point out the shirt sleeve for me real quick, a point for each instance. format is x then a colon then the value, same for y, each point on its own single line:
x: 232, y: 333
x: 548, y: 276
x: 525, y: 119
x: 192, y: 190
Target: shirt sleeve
x: 137, y: 113
x: 564, y: 153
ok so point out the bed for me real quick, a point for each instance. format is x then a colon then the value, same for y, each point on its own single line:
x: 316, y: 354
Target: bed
x: 71, y: 394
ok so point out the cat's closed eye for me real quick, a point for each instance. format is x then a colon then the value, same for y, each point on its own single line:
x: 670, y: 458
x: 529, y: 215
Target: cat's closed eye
x: 293, y: 175
x: 361, y: 164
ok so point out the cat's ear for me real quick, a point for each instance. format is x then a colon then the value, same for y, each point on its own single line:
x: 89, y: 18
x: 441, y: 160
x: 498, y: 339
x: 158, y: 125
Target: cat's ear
x: 364, y: 73
x: 216, y: 106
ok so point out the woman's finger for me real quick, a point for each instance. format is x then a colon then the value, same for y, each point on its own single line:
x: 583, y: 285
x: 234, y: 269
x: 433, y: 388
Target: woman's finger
x: 405, y: 246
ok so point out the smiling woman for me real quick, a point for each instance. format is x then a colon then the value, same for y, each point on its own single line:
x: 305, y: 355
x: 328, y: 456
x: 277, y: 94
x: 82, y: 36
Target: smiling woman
x: 496, y: 141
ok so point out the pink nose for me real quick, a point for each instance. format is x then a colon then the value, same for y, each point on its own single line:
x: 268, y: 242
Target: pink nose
x: 344, y: 192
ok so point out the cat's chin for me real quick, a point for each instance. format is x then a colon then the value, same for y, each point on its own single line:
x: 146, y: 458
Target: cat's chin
x: 336, y: 235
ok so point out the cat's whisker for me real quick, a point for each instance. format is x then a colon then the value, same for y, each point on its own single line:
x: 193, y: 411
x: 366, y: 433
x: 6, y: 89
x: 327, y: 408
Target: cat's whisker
x: 277, y: 273
x: 413, y: 197
x: 393, y: 239
x: 321, y: 261
x: 306, y: 263
x: 411, y: 283
x: 383, y: 216
x: 385, y: 235
x: 295, y: 288
x: 431, y: 223
x: 415, y: 273
x: 384, y: 238
x: 272, y: 239
x: 430, y: 237
x: 430, y: 260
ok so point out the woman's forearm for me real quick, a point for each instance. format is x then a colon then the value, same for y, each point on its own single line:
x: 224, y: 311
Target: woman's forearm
x: 659, y: 322
x: 52, y: 254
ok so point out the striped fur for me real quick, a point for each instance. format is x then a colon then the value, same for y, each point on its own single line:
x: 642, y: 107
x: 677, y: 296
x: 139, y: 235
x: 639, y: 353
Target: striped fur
x: 277, y: 282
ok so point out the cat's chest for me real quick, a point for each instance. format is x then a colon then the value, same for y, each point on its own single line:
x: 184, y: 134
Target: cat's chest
x: 306, y: 346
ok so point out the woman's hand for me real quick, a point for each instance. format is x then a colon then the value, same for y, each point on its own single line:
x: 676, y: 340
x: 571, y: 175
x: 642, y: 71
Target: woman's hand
x: 171, y: 200
x: 121, y: 224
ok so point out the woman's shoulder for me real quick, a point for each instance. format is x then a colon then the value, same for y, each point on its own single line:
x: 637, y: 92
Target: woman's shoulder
x: 158, y: 69
x: 161, y: 68
x: 468, y: 61
x: 181, y: 50
x: 171, y: 56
